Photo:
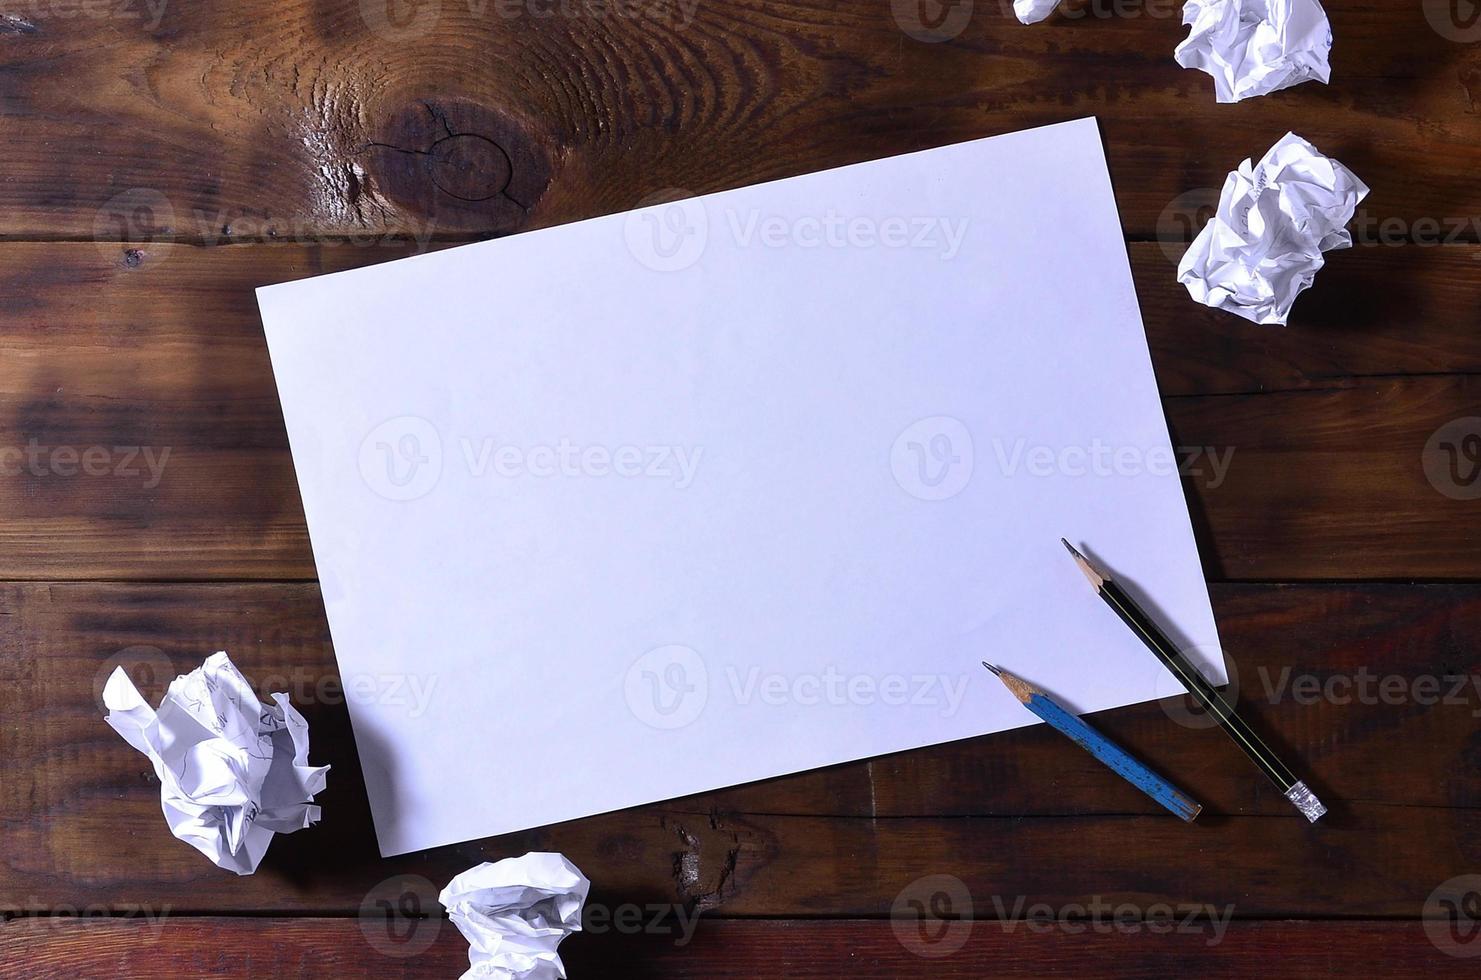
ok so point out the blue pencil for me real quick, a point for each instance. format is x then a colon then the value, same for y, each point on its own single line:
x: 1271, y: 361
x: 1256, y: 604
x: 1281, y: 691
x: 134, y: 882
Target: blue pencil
x: 1099, y: 746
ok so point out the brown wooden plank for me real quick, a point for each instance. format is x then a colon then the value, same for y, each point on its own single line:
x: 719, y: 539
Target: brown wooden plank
x: 39, y: 949
x: 181, y: 325
x: 155, y: 351
x: 1342, y: 484
x: 1374, y: 312
x: 1023, y: 813
x: 160, y: 349
x: 302, y: 119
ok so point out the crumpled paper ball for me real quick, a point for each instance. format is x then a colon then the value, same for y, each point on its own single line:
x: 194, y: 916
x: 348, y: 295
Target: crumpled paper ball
x: 1033, y: 11
x: 1264, y: 245
x: 232, y: 771
x: 1254, y: 47
x: 515, y: 912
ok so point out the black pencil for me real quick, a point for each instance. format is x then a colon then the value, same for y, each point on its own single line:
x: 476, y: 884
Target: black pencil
x: 1172, y: 658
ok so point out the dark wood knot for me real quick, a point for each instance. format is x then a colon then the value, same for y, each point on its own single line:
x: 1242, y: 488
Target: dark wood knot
x: 459, y: 167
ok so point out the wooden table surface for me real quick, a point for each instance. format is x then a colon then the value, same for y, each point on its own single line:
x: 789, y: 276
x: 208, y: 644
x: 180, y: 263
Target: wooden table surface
x: 162, y: 158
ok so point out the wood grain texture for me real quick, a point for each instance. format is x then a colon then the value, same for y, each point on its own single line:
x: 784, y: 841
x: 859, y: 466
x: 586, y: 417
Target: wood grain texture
x: 153, y: 359
x: 303, y: 119
x: 32, y: 949
x: 1376, y: 312
x: 148, y: 140
x: 82, y: 825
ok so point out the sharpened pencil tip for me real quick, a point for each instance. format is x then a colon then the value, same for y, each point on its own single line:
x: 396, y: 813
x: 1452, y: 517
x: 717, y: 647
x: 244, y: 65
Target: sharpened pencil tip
x: 996, y: 672
x: 1096, y: 578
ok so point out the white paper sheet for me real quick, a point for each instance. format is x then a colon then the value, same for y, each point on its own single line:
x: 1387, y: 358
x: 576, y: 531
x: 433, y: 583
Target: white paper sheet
x: 515, y: 912
x: 1264, y: 244
x: 232, y: 771
x: 734, y: 487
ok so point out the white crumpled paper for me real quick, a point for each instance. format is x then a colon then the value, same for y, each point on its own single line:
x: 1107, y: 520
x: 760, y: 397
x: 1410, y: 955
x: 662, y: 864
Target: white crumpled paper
x: 232, y: 770
x: 1254, y: 47
x: 515, y: 912
x: 1033, y: 11
x: 1275, y: 219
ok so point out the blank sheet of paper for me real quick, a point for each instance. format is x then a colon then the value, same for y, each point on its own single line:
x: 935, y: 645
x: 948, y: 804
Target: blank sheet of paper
x: 738, y: 486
